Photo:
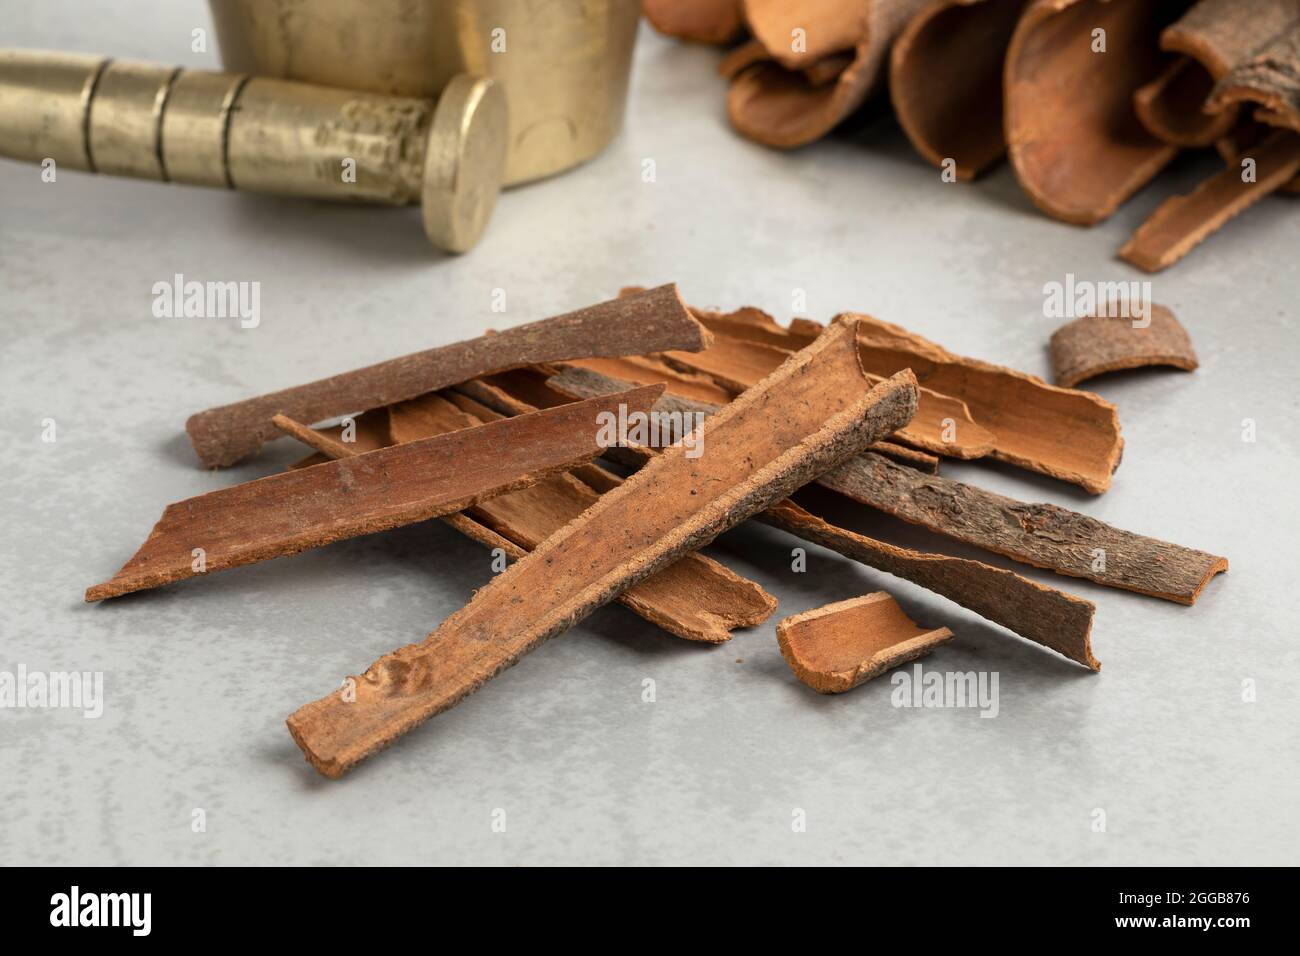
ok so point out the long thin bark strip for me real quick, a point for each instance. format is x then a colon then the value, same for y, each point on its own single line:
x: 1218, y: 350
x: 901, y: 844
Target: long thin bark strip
x: 1074, y: 141
x: 1059, y: 621
x: 300, y: 509
x: 1050, y: 617
x: 943, y: 425
x: 1042, y: 535
x: 945, y: 80
x: 1097, y: 344
x: 654, y: 320
x: 1181, y: 223
x: 835, y: 648
x: 1067, y: 434
x: 694, y: 598
x: 810, y: 415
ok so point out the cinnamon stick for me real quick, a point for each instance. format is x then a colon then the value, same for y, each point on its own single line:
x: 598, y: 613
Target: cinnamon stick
x: 296, y: 510
x: 835, y: 648
x: 1042, y: 535
x: 1181, y: 223
x: 1094, y: 345
x: 812, y: 413
x: 1052, y: 618
x: 1270, y: 79
x: 1067, y: 434
x: 1074, y: 140
x: 945, y: 81
x: 699, y: 21
x: 656, y: 319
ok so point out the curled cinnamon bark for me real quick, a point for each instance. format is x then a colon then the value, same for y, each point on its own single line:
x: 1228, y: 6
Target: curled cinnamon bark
x: 945, y: 81
x: 1270, y: 79
x: 700, y: 21
x: 1075, y: 143
x: 1097, y: 344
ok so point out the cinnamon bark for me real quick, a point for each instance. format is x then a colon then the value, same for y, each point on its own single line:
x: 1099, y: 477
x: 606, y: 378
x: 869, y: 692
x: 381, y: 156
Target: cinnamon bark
x: 1052, y: 618
x: 945, y: 81
x: 777, y: 103
x: 654, y: 320
x: 810, y: 415
x: 835, y: 648
x: 300, y: 509
x: 1041, y: 535
x: 1181, y: 223
x: 1075, y: 143
x: 648, y: 371
x: 699, y: 21
x: 1067, y: 434
x: 1270, y: 79
x: 1097, y: 344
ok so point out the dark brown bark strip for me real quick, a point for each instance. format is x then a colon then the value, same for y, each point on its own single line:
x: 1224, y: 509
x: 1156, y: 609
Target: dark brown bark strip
x: 306, y: 508
x: 811, y: 414
x: 654, y: 320
x: 835, y: 648
x: 1042, y: 535
x: 1269, y: 79
x: 1056, y: 620
x: 1091, y: 346
x: 1181, y: 223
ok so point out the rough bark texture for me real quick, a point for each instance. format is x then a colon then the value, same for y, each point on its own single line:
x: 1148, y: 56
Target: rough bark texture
x: 1067, y: 434
x: 837, y: 647
x: 1091, y: 346
x: 370, y: 432
x: 1181, y: 223
x: 700, y: 21
x: 810, y: 415
x: 310, y: 507
x: 695, y: 598
x: 1270, y: 78
x: 942, y: 426
x: 782, y: 105
x: 1049, y: 617
x: 945, y: 80
x: 1042, y: 535
x: 1075, y: 142
x: 654, y: 320
x: 648, y: 371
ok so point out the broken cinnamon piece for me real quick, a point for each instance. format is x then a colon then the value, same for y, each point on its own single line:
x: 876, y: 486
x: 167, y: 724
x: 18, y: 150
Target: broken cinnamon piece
x: 1096, y: 344
x: 695, y: 598
x: 797, y: 33
x: 1076, y: 145
x: 648, y: 371
x: 699, y: 21
x: 945, y: 80
x: 652, y: 321
x: 752, y: 325
x: 811, y: 414
x: 775, y: 103
x: 943, y: 425
x: 837, y: 647
x: 1042, y: 535
x: 1270, y: 79
x: 1181, y: 223
x: 368, y: 431
x: 296, y: 510
x: 1067, y: 434
x: 1052, y: 618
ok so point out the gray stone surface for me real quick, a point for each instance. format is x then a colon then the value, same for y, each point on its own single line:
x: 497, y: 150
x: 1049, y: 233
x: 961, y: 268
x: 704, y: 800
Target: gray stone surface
x: 199, y: 677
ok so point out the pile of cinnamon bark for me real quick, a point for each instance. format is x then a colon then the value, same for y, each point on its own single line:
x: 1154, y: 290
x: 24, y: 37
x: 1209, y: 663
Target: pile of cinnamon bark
x: 505, y: 438
x: 1090, y: 99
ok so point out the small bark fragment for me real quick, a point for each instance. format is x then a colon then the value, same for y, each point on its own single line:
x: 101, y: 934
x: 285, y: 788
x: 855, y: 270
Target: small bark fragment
x: 1052, y: 618
x: 945, y: 80
x: 780, y: 104
x: 1067, y: 434
x: 300, y: 509
x: 1075, y: 142
x: 810, y: 415
x: 1091, y: 346
x: 837, y: 647
x: 1041, y: 535
x: 1181, y: 223
x: 1270, y: 79
x: 698, y: 21
x: 654, y: 320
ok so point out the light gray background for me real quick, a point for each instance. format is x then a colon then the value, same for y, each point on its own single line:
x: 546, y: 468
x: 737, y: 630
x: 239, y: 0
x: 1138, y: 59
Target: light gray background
x: 200, y: 676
